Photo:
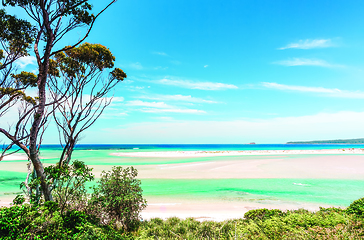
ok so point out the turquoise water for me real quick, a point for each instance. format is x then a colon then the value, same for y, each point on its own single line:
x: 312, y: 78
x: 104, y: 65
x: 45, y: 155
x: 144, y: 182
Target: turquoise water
x: 206, y: 147
x: 321, y: 191
x: 10, y: 183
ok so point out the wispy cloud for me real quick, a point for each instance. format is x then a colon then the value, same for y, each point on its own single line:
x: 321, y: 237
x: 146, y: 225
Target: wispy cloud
x: 306, y: 62
x: 160, y: 107
x: 173, y: 110
x: 178, y: 97
x: 117, y: 99
x: 160, y: 53
x: 164, y: 118
x: 205, y: 66
x: 160, y: 68
x: 148, y: 104
x: 196, y: 85
x: 329, y: 92
x: 113, y: 114
x: 337, y: 125
x: 25, y: 61
x: 176, y: 62
x: 309, y: 44
x: 137, y: 66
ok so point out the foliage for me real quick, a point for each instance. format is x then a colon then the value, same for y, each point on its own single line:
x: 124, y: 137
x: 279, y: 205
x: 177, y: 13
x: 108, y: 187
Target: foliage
x: 77, y: 10
x: 118, y: 197
x: 68, y: 185
x: 78, y: 75
x: 356, y: 207
x: 328, y: 223
x: 16, y: 35
x: 53, y: 20
x: 46, y: 222
x: 262, y: 214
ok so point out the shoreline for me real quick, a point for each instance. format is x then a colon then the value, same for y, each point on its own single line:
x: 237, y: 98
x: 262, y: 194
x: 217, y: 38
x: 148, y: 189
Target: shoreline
x: 337, y: 164
x: 206, y: 210
x: 236, y: 153
x: 216, y: 210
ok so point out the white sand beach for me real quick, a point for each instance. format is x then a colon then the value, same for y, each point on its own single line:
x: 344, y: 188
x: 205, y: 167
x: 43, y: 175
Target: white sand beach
x: 305, y: 164
x: 185, y: 154
x: 213, y: 211
x: 329, y: 164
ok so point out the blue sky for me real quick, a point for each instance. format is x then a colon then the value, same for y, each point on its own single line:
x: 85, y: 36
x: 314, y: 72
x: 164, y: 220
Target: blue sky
x: 232, y: 71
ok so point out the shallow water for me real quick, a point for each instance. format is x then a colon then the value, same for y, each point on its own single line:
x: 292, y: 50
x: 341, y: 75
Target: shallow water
x: 323, y: 191
x: 336, y: 192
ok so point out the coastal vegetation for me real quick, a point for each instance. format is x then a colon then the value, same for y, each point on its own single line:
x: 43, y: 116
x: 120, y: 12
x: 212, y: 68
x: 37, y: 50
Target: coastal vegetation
x: 47, y: 221
x: 71, y: 85
x: 109, y: 211
x: 337, y: 141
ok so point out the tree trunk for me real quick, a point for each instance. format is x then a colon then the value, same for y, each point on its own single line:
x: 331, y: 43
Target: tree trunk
x: 38, y: 117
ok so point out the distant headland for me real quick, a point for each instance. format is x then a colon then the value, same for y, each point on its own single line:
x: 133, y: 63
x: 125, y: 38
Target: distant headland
x: 337, y: 141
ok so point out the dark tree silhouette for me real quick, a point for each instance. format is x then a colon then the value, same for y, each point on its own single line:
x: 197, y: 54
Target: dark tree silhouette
x: 53, y: 20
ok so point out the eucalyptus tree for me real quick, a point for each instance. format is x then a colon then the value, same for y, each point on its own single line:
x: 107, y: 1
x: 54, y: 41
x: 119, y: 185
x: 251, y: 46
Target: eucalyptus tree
x: 52, y: 20
x: 16, y: 37
x: 83, y: 77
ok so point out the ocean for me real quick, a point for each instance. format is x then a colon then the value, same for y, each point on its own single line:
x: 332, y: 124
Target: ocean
x: 325, y: 191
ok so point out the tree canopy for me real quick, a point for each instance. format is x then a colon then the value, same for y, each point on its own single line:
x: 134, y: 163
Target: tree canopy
x: 51, y: 20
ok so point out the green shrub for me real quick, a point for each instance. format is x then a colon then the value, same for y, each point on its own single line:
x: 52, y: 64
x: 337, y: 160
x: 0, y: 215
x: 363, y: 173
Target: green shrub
x: 356, y: 208
x: 68, y: 185
x: 15, y: 221
x: 262, y: 214
x: 118, y: 198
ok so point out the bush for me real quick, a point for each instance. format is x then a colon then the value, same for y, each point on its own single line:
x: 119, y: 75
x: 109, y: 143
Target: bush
x: 118, y: 198
x: 262, y: 214
x: 68, y: 185
x: 46, y: 222
x: 356, y: 207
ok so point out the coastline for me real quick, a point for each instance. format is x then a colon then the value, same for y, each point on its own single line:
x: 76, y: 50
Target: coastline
x: 236, y: 153
x: 210, y: 167
x: 215, y: 210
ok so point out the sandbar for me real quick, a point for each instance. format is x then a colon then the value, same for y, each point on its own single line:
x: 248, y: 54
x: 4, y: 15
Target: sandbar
x: 214, y: 210
x: 236, y: 153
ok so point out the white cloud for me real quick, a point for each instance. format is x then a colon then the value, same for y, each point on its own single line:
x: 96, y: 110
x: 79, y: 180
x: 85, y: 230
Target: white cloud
x: 330, y: 92
x: 127, y: 81
x: 172, y: 110
x: 160, y: 53
x: 134, y: 88
x: 164, y: 118
x: 160, y: 68
x: 197, y: 85
x: 178, y: 97
x: 160, y: 107
x: 309, y: 44
x: 113, y: 113
x: 25, y: 61
x: 136, y: 66
x: 117, y: 99
x: 205, y: 66
x: 321, y: 126
x: 306, y: 62
x: 148, y: 104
